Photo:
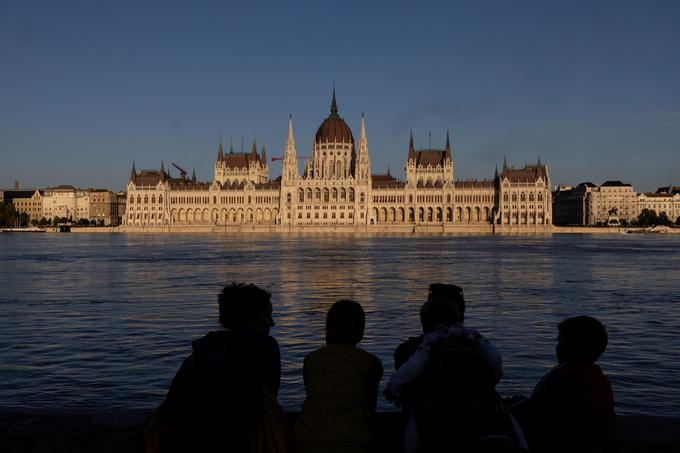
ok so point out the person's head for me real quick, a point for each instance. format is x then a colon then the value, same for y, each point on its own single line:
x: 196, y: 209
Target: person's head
x: 245, y: 306
x: 580, y: 339
x: 345, y: 323
x: 439, y: 311
x: 452, y: 292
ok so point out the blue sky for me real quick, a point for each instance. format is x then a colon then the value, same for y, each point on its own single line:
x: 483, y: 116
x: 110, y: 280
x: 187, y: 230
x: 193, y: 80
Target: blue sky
x: 88, y: 87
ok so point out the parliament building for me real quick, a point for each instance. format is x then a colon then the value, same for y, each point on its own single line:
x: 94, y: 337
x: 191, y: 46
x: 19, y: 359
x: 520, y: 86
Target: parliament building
x: 337, y: 189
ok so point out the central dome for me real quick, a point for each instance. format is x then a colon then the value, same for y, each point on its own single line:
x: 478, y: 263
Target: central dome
x: 334, y: 129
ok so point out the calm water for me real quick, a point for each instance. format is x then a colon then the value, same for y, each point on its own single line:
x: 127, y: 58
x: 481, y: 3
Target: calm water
x: 104, y: 320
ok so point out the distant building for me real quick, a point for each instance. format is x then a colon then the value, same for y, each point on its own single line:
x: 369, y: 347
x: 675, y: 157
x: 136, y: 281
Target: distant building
x: 105, y: 207
x: 66, y: 201
x: 665, y: 199
x: 337, y: 187
x: 588, y: 204
x: 32, y: 206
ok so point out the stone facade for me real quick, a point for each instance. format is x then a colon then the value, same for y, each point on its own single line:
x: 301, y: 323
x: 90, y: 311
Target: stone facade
x: 663, y: 200
x: 104, y: 207
x: 337, y: 189
x: 32, y: 206
x: 589, y: 204
x: 66, y: 202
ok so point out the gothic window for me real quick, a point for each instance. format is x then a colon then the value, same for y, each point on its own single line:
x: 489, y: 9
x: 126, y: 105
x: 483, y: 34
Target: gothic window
x: 522, y: 197
x: 448, y: 198
x: 317, y: 194
x: 289, y: 198
x: 146, y: 199
x: 514, y: 197
x: 343, y: 194
x: 301, y: 195
x: 325, y: 195
x: 334, y: 194
x: 362, y: 197
x: 410, y: 200
x: 153, y: 199
x: 351, y: 195
x: 132, y: 199
x: 540, y: 196
x: 309, y: 194
x: 139, y: 198
x: 531, y: 196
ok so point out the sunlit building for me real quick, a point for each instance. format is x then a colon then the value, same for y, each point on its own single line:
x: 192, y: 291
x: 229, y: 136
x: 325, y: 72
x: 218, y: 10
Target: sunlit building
x: 336, y: 188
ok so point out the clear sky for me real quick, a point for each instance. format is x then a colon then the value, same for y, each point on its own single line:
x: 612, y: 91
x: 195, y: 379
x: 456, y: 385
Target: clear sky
x: 87, y: 87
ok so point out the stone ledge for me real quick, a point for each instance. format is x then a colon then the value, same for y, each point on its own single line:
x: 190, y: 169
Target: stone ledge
x: 82, y: 431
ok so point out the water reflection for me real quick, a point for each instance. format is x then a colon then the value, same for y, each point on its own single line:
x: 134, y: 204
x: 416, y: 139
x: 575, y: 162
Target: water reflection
x: 105, y: 320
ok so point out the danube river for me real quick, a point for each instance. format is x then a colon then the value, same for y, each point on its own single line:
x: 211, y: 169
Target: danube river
x: 105, y: 320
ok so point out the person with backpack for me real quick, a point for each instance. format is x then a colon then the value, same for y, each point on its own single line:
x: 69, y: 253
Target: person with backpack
x: 446, y: 381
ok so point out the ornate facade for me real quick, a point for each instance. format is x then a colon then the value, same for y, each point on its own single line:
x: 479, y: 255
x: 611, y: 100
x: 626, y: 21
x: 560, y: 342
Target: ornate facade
x: 337, y: 188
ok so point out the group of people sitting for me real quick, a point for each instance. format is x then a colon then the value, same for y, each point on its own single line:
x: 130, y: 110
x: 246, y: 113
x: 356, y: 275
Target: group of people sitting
x: 223, y: 398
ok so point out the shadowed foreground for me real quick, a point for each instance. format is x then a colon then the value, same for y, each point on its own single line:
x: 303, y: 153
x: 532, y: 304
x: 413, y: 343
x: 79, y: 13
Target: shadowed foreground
x: 122, y: 431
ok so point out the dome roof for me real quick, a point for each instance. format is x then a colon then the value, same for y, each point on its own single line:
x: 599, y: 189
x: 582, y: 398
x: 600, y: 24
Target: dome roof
x: 334, y: 129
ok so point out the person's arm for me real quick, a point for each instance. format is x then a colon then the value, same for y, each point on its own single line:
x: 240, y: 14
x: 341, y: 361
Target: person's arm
x: 412, y: 368
x: 376, y: 376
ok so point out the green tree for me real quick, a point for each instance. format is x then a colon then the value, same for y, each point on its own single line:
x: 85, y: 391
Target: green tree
x: 677, y: 221
x: 43, y: 222
x: 8, y: 215
x: 23, y: 220
x: 647, y: 217
x: 56, y: 220
x: 663, y: 219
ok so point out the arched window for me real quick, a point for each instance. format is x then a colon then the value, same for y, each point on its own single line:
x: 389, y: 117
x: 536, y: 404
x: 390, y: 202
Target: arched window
x: 363, y: 197
x: 309, y: 194
x: 334, y: 194
x: 343, y: 194
x: 160, y: 198
x: 351, y: 195
x: 448, y: 198
x: 301, y: 195
x: 540, y: 196
x: 146, y: 199
x: 531, y: 196
x: 153, y: 199
x: 139, y: 198
x: 514, y: 197
x: 505, y: 196
x: 522, y: 197
x: 325, y: 195
x: 132, y: 199
x: 317, y: 194
x: 288, y: 197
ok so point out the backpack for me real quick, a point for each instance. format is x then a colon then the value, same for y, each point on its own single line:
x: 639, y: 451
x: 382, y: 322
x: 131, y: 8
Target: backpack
x: 457, y: 403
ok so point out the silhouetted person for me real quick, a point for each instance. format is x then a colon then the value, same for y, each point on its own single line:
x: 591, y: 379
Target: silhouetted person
x: 341, y: 382
x: 446, y: 380
x: 572, y: 407
x: 218, y: 396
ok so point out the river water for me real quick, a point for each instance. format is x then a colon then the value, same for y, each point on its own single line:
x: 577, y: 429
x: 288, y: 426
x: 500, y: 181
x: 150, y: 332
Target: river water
x: 105, y: 320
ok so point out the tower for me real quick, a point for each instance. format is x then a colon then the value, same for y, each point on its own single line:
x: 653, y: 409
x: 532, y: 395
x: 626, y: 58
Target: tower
x: 289, y: 170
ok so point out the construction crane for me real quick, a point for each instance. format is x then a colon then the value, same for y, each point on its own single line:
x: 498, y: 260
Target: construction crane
x: 183, y: 172
x: 275, y: 158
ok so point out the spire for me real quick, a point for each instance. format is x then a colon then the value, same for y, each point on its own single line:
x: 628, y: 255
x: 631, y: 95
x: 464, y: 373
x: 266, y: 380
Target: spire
x: 263, y: 156
x: 291, y: 139
x: 162, y: 172
x: 495, y: 176
x: 388, y: 170
x: 220, y: 151
x: 334, y: 105
x: 253, y: 151
x: 231, y: 146
x: 362, y: 137
x: 539, y: 161
x: 133, y: 172
x: 447, y: 152
x: 193, y: 175
x: 505, y: 163
x: 411, y: 149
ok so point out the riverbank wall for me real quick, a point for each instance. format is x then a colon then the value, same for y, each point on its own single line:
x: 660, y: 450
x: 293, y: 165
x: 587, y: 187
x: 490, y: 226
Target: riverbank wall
x: 518, y: 230
x: 122, y: 431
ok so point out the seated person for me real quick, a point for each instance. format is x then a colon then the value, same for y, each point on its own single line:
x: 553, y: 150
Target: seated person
x: 218, y: 396
x: 341, y: 382
x: 447, y: 379
x: 572, y: 407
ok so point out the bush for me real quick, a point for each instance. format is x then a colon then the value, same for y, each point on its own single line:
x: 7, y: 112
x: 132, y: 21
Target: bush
x: 648, y: 217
